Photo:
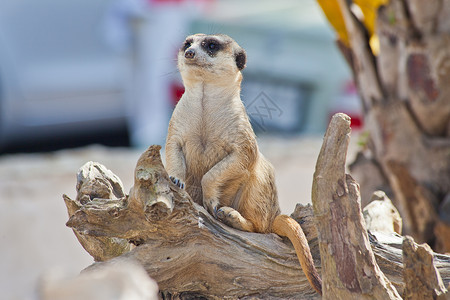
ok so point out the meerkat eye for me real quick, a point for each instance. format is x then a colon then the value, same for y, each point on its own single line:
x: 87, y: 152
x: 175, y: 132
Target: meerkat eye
x: 186, y: 45
x: 212, y: 46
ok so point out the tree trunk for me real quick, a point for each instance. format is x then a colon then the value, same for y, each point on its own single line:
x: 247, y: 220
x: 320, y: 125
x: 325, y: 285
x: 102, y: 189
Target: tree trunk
x: 191, y: 255
x: 405, y: 91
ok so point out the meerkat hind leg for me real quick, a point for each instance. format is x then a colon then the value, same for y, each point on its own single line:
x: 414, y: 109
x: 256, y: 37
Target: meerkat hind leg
x: 234, y: 219
x: 177, y: 182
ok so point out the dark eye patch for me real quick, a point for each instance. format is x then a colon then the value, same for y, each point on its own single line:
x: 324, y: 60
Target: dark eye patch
x: 211, y: 46
x: 187, y: 44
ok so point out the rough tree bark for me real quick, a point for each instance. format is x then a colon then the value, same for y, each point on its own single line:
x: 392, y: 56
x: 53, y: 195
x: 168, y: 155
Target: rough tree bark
x: 405, y: 93
x: 422, y: 280
x: 190, y: 254
x: 349, y: 269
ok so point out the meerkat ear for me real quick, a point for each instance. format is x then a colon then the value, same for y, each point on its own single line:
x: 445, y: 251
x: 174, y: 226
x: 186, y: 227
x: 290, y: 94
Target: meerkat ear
x: 241, y: 59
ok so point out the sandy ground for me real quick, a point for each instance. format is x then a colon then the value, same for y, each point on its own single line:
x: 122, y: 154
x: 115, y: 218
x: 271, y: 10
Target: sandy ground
x: 33, y: 235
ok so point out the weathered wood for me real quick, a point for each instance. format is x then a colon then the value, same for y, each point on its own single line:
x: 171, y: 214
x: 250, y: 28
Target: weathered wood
x: 362, y: 61
x: 348, y: 263
x: 189, y: 253
x: 94, y: 183
x: 422, y: 279
x: 185, y: 249
x: 381, y: 215
x: 359, y: 168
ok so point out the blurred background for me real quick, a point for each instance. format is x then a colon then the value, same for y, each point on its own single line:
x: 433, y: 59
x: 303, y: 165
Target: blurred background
x: 75, y: 73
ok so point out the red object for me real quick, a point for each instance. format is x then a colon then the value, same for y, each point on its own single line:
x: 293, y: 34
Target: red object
x: 356, y: 122
x: 176, y: 91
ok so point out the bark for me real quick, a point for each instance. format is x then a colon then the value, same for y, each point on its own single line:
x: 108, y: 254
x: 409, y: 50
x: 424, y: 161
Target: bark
x: 190, y: 254
x: 381, y: 215
x: 422, y: 280
x: 406, y: 100
x: 348, y: 263
x: 95, y: 181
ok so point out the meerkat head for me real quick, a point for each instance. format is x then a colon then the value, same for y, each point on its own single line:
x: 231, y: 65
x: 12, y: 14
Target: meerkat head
x: 211, y: 58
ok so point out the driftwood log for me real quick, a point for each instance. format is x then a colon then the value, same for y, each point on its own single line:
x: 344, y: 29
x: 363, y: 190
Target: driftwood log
x: 190, y: 254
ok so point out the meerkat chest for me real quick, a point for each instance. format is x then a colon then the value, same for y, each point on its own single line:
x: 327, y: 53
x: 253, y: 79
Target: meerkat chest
x: 208, y: 131
x: 208, y: 140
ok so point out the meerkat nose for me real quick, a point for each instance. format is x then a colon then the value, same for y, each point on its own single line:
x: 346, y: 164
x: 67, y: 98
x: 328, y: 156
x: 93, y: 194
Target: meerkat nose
x: 190, y: 53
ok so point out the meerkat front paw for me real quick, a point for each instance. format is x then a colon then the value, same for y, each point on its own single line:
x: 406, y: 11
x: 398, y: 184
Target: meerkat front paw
x: 211, y: 205
x: 177, y: 182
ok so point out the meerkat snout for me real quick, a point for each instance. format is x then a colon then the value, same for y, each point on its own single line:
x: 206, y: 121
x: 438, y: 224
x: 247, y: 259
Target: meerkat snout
x: 189, y: 54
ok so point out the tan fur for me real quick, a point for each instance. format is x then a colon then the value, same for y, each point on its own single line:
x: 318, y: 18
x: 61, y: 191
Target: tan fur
x: 211, y: 146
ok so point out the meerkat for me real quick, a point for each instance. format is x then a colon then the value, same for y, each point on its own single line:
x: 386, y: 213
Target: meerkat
x: 211, y: 148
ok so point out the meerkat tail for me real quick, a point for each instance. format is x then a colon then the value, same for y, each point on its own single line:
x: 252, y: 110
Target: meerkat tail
x: 288, y: 227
